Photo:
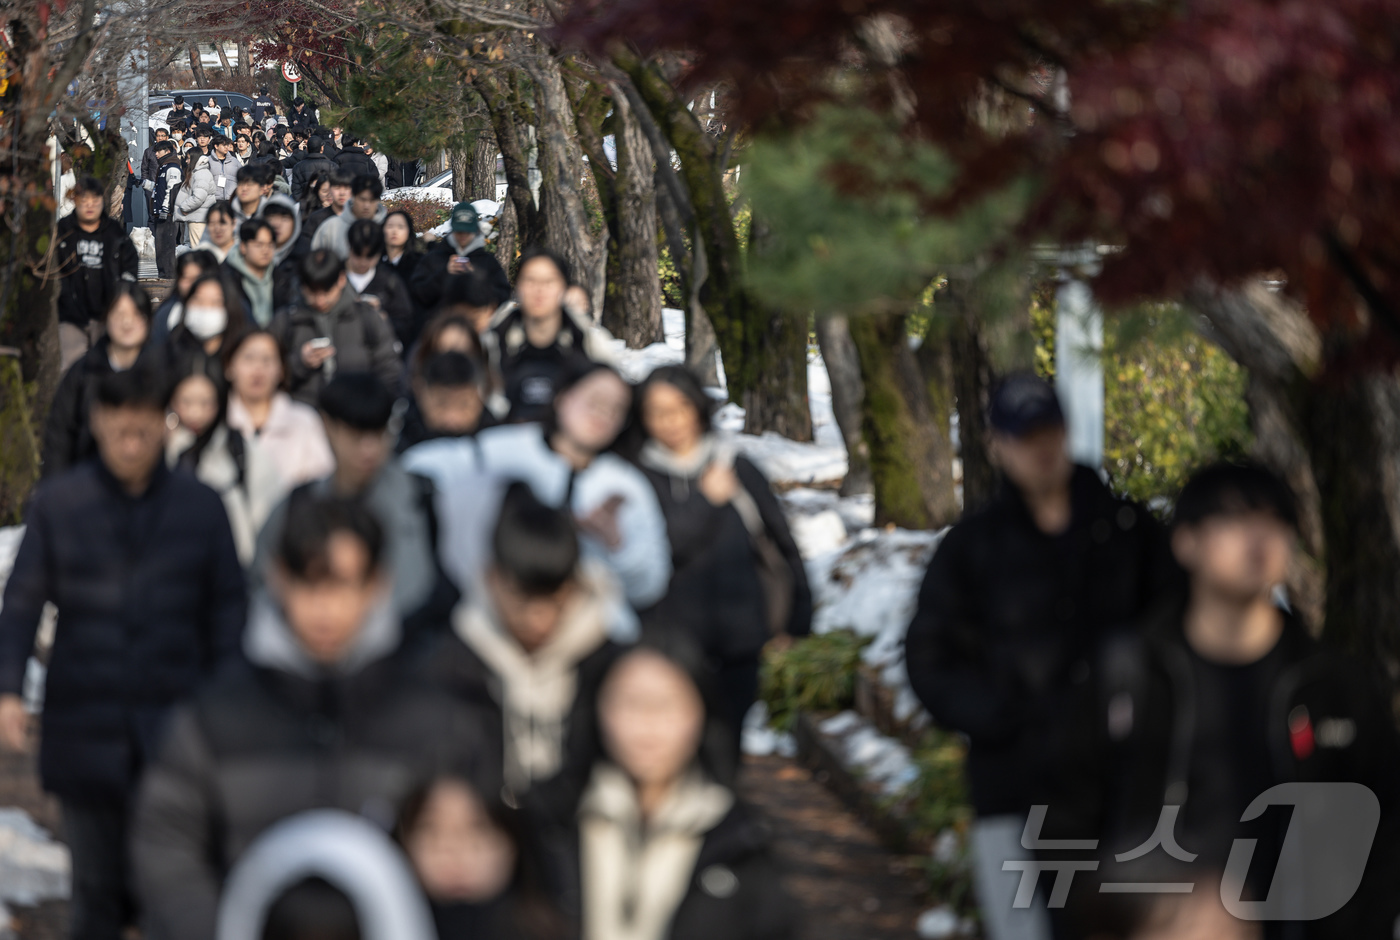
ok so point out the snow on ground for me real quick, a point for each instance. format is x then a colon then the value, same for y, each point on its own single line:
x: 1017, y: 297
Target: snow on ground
x: 33, y: 867
x: 882, y: 761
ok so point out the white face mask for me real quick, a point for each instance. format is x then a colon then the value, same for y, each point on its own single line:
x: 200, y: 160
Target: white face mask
x: 206, y: 322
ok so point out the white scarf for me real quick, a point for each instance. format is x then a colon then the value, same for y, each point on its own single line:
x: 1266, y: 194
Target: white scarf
x: 636, y: 871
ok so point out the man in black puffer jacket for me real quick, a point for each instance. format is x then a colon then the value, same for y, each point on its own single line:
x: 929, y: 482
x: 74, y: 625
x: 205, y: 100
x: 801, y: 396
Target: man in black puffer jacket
x: 353, y: 159
x: 314, y: 164
x: 141, y: 565
x: 1014, y: 602
x: 325, y: 714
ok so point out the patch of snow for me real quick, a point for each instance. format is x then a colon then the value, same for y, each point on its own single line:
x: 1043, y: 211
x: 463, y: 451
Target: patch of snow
x: 938, y: 923
x: 789, y: 462
x: 856, y: 512
x: 729, y: 417
x: 871, y: 755
x: 33, y: 867
x: 637, y: 364
x: 759, y: 740
x: 10, y: 537
x: 819, y: 533
x: 825, y: 430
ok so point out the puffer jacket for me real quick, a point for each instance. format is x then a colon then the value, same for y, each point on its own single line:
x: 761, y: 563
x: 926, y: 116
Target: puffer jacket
x: 67, y: 432
x: 529, y: 374
x: 198, y: 193
x: 280, y: 735
x: 363, y: 342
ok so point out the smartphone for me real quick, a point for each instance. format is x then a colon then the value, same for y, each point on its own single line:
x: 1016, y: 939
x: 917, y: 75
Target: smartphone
x: 320, y: 342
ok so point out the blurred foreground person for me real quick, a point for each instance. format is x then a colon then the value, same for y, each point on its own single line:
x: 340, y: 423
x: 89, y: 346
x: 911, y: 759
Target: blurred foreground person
x: 127, y: 327
x: 739, y: 579
x: 323, y: 875
x: 1013, y: 604
x: 356, y: 410
x: 567, y: 462
x: 141, y: 565
x: 533, y: 646
x: 447, y: 401
x: 659, y: 847
x: 478, y: 865
x: 1223, y: 696
x: 322, y: 715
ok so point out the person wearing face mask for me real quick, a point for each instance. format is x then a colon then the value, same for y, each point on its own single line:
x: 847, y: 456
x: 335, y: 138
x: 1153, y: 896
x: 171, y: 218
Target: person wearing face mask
x: 220, y: 231
x: 658, y: 845
x: 67, y: 432
x: 376, y: 282
x: 567, y: 463
x: 321, y: 714
x: 530, y: 343
x: 211, y: 313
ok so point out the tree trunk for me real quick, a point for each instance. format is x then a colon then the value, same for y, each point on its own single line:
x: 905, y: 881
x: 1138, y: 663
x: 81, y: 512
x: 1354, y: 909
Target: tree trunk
x: 972, y: 383
x: 459, y: 161
x: 776, y: 399
x: 483, y: 169
x: 632, y: 306
x: 224, y: 63
x: 842, y: 361
x: 197, y: 66
x: 514, y: 154
x: 245, y: 58
x: 507, y: 237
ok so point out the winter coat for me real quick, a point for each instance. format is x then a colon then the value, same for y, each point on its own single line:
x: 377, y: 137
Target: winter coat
x: 281, y: 735
x: 228, y: 169
x: 429, y: 279
x: 67, y: 434
x: 363, y: 342
x: 529, y: 374
x: 701, y: 867
x: 149, y: 162
x: 239, y: 216
x: 1322, y: 718
x: 415, y: 430
x: 404, y: 505
x: 150, y: 602
x: 198, y: 193
x: 641, y: 563
x: 168, y: 179
x: 333, y: 234
x: 381, y: 165
x: 293, y: 438
x: 394, y: 303
x: 244, y: 477
x: 261, y: 297
x: 91, y: 264
x: 262, y: 106
x: 185, y: 355
x: 716, y: 591
x: 1007, y: 615
x: 356, y: 162
x: 314, y: 165
x: 542, y: 702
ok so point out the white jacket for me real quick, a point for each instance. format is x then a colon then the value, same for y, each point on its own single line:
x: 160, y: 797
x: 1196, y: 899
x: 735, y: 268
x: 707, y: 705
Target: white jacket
x: 198, y: 194
x: 641, y: 563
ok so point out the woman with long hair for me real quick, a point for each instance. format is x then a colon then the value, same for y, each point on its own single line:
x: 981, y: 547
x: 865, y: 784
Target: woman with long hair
x: 401, y: 248
x: 210, y: 315
x: 189, y: 267
x: 290, y: 433
x: 220, y: 231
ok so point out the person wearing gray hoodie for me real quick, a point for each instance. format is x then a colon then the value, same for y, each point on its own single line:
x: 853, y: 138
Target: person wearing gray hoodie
x: 323, y: 714
x: 251, y: 267
x: 364, y: 204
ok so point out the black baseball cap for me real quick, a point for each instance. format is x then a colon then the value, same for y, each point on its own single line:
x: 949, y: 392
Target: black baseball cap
x: 1024, y: 402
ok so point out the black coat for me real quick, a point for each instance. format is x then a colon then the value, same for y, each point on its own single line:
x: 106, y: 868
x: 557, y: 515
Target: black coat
x: 286, y: 287
x: 313, y: 165
x: 150, y: 598
x: 184, y: 355
x: 91, y: 265
x: 429, y: 279
x: 355, y: 161
x: 263, y: 744
x: 715, y: 589
x: 1324, y: 717
x: 363, y: 342
x: 395, y: 303
x: 1007, y: 616
x: 67, y: 434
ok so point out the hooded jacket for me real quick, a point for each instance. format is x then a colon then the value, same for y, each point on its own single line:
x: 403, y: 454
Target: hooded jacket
x: 281, y: 735
x: 227, y: 168
x: 239, y: 216
x: 543, y: 701
x: 1321, y: 718
x: 641, y: 563
x: 197, y: 194
x: 150, y: 599
x: 333, y: 233
x: 429, y: 279
x: 529, y: 374
x: 67, y: 433
x: 91, y: 264
x: 1008, y: 615
x: 700, y: 867
x: 717, y: 592
x: 168, y: 177
x: 256, y: 292
x: 363, y: 343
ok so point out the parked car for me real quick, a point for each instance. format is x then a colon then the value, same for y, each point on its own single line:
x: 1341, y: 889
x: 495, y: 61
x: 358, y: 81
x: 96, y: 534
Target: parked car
x: 160, y: 100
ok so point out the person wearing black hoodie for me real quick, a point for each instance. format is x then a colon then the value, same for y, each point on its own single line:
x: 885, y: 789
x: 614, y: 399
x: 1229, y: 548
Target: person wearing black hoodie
x: 653, y: 842
x: 92, y: 257
x: 1220, y: 697
x: 353, y: 159
x: 376, y: 282
x: 315, y: 164
x: 1014, y: 601
x: 463, y: 250
x: 323, y: 714
x: 68, y: 436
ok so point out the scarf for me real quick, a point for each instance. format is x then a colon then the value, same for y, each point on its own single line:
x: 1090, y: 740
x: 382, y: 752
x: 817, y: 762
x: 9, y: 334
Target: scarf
x: 685, y: 470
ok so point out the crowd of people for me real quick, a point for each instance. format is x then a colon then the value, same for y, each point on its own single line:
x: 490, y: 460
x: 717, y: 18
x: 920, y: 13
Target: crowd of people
x: 351, y: 525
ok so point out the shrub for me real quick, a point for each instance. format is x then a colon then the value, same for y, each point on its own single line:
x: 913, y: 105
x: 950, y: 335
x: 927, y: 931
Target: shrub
x: 425, y: 213
x: 815, y: 674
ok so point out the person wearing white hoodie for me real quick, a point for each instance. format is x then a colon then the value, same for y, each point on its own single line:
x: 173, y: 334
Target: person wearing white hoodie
x: 566, y: 461
x: 196, y: 196
x: 364, y: 204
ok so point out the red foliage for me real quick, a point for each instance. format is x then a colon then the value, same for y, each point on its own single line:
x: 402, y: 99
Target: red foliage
x: 1237, y: 137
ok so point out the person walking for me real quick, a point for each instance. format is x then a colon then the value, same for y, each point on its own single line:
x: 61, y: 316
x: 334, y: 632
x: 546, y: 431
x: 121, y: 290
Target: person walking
x: 197, y: 194
x: 290, y: 433
x: 377, y: 283
x: 464, y: 249
x: 224, y: 165
x: 1015, y: 599
x: 250, y: 272
x: 353, y: 159
x: 220, y: 230
x: 315, y: 164
x: 140, y: 563
x: 364, y: 203
x: 165, y: 189
x: 93, y: 256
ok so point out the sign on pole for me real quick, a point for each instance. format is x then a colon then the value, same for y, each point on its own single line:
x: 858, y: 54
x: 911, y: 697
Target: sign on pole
x: 290, y: 72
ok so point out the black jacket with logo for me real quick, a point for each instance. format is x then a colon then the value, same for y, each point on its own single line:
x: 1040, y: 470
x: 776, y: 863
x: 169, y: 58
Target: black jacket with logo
x: 91, y: 264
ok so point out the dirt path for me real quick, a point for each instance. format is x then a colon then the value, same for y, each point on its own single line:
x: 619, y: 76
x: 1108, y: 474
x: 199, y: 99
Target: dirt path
x: 850, y: 887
